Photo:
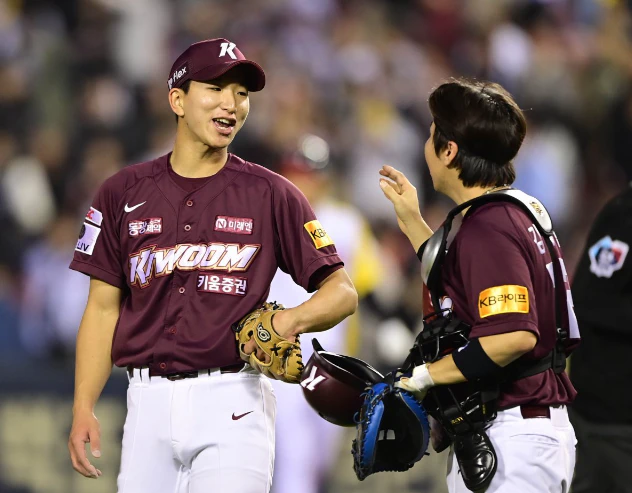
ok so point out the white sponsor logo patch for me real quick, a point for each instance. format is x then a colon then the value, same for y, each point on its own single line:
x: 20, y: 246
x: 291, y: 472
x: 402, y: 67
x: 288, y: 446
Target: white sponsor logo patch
x: 87, y: 238
x: 237, y: 225
x: 94, y: 216
x: 221, y: 283
x: 607, y: 256
x: 149, y: 226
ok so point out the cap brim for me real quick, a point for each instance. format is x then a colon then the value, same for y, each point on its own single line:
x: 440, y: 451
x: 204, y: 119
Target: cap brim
x: 255, y: 76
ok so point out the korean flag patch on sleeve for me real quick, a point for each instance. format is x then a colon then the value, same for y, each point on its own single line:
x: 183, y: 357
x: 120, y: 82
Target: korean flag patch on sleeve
x: 87, y: 238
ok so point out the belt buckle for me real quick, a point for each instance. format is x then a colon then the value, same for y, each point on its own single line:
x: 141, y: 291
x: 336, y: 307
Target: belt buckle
x: 181, y: 375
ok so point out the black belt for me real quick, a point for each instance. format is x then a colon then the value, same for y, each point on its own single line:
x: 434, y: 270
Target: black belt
x: 535, y: 412
x: 190, y: 374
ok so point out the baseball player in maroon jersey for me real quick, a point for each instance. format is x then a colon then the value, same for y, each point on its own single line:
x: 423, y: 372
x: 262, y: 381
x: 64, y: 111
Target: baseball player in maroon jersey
x: 178, y: 249
x: 498, y: 278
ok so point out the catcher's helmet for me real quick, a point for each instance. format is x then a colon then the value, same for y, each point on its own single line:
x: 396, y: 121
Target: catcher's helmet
x: 333, y: 384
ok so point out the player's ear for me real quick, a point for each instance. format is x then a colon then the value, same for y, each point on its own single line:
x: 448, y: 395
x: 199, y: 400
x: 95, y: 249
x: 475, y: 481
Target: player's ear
x: 176, y: 101
x: 449, y: 153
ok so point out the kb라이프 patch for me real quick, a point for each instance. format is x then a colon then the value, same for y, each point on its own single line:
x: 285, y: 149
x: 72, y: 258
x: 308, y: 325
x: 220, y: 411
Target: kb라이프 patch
x: 318, y: 235
x: 503, y: 299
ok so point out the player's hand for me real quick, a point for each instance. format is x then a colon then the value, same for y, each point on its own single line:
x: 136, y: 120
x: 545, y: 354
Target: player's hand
x: 282, y: 324
x: 403, y: 196
x: 418, y: 383
x: 409, y: 385
x: 85, y: 429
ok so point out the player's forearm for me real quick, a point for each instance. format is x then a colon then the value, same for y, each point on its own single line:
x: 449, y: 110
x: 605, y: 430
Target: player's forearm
x: 502, y: 349
x: 334, y: 301
x: 418, y: 232
x: 94, y: 353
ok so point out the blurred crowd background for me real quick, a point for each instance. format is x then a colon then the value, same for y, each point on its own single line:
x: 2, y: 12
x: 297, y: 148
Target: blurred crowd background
x: 83, y: 93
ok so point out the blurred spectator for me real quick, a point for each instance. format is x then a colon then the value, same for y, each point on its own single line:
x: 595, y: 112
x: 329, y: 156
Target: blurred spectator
x: 28, y: 194
x: 12, y: 238
x: 54, y: 296
x: 139, y: 38
x: 102, y: 157
x: 547, y: 166
x: 11, y: 349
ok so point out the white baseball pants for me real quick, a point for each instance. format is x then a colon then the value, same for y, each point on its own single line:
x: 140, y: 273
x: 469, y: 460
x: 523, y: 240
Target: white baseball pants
x: 210, y: 434
x: 535, y: 455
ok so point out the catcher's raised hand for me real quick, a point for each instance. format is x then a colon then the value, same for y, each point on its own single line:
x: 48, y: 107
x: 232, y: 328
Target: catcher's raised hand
x: 403, y: 196
x: 265, y: 349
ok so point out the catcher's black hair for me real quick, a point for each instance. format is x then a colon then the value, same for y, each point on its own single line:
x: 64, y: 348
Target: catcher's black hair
x: 487, y: 125
x: 185, y: 87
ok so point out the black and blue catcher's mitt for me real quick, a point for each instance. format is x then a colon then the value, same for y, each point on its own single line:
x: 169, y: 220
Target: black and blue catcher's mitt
x: 392, y: 431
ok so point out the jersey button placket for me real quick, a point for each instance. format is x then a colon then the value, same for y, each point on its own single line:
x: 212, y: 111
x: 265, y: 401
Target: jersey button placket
x: 163, y: 366
x: 188, y: 219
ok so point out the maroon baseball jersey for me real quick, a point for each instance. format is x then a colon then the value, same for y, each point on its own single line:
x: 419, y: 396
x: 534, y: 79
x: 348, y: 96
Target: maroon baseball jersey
x: 193, y: 256
x: 499, y: 276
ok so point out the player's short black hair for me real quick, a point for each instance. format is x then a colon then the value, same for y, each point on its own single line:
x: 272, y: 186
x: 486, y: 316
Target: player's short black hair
x: 185, y: 87
x: 486, y: 124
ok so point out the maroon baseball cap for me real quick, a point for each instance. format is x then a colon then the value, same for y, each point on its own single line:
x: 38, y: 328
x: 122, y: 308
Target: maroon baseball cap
x: 211, y: 58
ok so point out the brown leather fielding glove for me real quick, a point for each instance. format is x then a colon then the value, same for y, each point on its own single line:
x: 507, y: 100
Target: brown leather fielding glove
x: 286, y: 362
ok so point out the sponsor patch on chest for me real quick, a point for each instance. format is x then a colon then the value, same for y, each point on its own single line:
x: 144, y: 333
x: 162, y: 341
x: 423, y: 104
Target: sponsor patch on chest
x: 149, y: 226
x: 222, y: 284
x: 87, y: 238
x: 237, y: 225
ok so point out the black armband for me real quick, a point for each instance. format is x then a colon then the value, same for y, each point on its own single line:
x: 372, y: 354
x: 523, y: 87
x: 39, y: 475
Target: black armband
x: 473, y: 361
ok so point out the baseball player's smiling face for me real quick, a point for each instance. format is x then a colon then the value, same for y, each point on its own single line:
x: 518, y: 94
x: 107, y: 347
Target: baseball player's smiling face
x: 215, y: 110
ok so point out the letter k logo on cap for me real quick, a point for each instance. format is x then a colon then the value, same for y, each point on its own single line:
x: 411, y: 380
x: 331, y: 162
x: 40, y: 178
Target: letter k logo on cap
x: 227, y: 48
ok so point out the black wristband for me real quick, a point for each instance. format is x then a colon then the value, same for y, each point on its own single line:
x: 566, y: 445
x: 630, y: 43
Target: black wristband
x: 473, y: 361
